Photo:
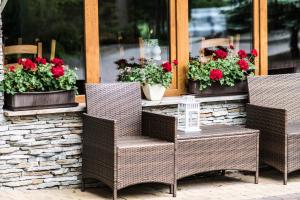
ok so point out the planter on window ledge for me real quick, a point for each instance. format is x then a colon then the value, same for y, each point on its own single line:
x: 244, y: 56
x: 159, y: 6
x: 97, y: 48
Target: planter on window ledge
x: 38, y: 84
x: 40, y: 100
x: 154, y: 92
x: 217, y: 90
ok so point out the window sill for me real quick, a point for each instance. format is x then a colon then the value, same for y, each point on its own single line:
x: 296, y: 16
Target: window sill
x: 145, y: 103
x: 177, y: 100
x: 79, y: 108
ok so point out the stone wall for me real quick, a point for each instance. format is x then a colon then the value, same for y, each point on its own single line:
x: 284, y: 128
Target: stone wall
x: 223, y: 112
x: 44, y: 151
x: 41, y: 151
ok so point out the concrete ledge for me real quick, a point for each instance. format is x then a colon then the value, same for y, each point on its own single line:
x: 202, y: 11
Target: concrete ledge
x: 176, y: 100
x: 145, y: 103
x: 79, y: 108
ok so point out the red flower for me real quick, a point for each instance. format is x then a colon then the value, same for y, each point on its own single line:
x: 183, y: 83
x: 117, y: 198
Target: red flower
x: 57, y: 62
x: 20, y: 61
x: 220, y: 54
x: 175, y: 62
x: 11, y: 68
x: 167, y: 67
x: 216, y: 74
x: 242, y: 54
x: 27, y: 64
x: 254, y: 52
x: 40, y: 60
x: 57, y: 71
x: 231, y: 46
x: 243, y: 64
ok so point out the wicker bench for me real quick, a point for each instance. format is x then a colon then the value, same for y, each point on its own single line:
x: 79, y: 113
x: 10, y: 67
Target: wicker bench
x: 217, y: 147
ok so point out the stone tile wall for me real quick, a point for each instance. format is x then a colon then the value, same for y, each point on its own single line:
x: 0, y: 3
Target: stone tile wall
x: 230, y: 112
x: 41, y: 151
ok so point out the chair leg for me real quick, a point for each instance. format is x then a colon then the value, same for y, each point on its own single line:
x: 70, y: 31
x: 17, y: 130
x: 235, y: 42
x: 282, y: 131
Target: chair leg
x: 284, y: 178
x: 223, y: 172
x: 115, y: 194
x: 171, y: 189
x: 82, y: 185
x: 174, y: 189
x: 256, y: 177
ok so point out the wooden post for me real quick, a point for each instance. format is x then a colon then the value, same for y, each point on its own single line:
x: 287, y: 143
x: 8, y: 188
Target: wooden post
x: 92, y: 49
x: 263, y: 48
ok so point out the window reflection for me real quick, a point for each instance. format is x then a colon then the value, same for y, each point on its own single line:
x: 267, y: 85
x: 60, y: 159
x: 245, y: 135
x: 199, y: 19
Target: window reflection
x: 132, y: 29
x: 283, y: 36
x: 29, y: 21
x: 220, y: 19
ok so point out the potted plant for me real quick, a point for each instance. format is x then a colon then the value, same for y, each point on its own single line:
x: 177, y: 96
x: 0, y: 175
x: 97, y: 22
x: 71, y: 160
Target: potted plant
x: 154, y: 78
x: 38, y: 84
x: 223, y: 74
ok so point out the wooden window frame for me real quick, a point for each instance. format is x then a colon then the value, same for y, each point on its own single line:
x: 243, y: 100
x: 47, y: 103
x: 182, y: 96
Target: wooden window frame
x: 179, y: 42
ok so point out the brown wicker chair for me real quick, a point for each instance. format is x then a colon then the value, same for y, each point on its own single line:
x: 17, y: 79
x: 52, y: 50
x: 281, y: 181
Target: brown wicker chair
x: 122, y: 145
x: 274, y: 109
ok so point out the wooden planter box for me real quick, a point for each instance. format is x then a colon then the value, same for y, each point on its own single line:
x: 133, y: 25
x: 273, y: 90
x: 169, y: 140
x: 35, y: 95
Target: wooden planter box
x: 39, y: 100
x: 217, y: 90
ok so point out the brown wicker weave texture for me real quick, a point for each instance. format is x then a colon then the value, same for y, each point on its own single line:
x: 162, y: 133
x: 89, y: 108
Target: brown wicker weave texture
x: 115, y: 150
x: 274, y: 109
x: 218, y: 147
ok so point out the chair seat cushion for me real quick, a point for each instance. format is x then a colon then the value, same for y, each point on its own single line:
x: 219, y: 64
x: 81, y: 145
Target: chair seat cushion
x: 140, y: 141
x: 293, y: 128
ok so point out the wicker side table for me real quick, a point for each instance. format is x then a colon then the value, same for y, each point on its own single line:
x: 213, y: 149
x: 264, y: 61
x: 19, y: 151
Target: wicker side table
x: 217, y: 147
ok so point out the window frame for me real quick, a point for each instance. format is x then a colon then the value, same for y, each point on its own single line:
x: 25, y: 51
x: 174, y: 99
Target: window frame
x: 179, y: 42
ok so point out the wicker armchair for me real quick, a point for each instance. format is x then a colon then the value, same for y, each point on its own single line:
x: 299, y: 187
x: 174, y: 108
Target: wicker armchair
x: 274, y: 109
x: 122, y: 145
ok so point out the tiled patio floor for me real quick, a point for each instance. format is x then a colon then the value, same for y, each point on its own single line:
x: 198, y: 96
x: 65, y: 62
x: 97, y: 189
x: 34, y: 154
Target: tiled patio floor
x: 231, y: 187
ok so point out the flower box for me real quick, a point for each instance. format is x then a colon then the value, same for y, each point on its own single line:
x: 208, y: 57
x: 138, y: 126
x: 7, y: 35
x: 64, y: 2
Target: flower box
x: 40, y: 100
x: 217, y: 90
x: 38, y: 84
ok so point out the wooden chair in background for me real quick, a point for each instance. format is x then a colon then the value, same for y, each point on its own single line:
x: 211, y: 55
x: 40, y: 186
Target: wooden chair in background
x: 217, y: 42
x: 53, y: 49
x: 35, y: 50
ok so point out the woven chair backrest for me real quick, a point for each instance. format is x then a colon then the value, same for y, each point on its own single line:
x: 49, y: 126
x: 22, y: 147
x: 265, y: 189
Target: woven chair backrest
x: 118, y: 101
x: 277, y: 91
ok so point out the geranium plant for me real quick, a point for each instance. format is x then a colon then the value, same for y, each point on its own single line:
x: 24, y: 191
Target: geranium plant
x: 37, y: 75
x: 145, y: 72
x: 225, y: 67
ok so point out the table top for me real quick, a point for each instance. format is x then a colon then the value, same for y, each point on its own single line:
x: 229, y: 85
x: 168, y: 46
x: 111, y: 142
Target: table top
x: 215, y: 131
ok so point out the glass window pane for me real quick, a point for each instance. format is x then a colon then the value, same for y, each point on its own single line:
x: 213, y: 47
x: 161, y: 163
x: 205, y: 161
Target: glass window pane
x: 28, y: 21
x: 283, y: 36
x: 220, y: 19
x: 132, y: 29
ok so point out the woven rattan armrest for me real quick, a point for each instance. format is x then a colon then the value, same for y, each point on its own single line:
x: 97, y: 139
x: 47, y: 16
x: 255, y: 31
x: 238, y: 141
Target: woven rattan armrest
x: 266, y: 119
x: 101, y: 130
x: 159, y: 126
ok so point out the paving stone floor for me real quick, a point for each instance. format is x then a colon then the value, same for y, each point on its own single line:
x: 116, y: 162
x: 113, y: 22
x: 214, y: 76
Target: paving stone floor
x: 233, y: 186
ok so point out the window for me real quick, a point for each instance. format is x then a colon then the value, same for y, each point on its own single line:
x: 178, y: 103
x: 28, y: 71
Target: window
x: 283, y: 36
x: 220, y: 19
x: 132, y: 29
x: 30, y: 21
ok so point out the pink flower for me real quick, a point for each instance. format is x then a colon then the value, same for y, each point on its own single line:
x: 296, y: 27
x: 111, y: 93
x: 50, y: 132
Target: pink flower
x: 216, y: 74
